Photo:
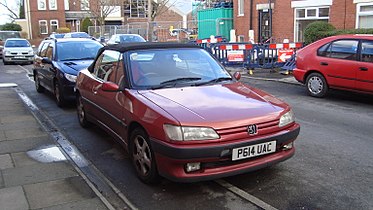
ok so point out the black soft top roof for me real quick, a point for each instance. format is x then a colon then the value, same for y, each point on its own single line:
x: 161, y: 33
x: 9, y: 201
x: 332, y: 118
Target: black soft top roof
x: 147, y: 45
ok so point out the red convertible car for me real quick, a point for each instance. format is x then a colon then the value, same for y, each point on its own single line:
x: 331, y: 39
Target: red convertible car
x: 181, y: 115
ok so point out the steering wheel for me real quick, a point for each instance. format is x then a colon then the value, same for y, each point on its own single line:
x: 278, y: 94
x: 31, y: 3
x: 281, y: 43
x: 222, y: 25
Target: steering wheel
x: 143, y: 79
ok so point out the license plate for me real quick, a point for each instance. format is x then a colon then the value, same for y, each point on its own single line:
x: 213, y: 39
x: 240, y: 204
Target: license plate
x: 19, y: 57
x: 253, y: 150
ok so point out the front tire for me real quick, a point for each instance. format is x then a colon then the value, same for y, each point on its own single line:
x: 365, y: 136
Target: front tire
x: 38, y: 87
x: 143, y: 157
x: 82, y: 116
x: 58, y: 93
x: 316, y: 85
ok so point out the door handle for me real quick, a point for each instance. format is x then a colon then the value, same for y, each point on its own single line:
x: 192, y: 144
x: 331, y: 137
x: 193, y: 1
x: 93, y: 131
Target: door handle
x: 363, y: 69
x: 324, y: 63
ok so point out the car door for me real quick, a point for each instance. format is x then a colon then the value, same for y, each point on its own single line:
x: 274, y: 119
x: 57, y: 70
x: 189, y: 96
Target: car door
x: 107, y: 105
x: 48, y: 69
x: 39, y: 66
x: 364, y: 80
x: 340, y: 63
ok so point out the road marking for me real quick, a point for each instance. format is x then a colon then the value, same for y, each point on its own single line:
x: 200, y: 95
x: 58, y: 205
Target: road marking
x: 7, y: 85
x: 29, y: 73
x: 245, y: 195
x: 92, y: 176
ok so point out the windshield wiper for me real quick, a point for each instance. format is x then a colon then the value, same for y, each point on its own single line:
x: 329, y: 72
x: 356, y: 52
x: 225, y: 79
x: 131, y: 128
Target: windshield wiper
x: 216, y: 80
x: 75, y: 59
x: 173, y: 82
x: 181, y: 79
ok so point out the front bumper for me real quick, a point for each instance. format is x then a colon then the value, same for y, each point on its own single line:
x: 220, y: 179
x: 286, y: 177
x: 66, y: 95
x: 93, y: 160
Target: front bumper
x: 216, y: 161
x: 18, y: 59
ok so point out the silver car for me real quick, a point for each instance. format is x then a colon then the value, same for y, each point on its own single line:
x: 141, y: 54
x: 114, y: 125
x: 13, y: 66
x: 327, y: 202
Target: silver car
x: 17, y: 50
x: 125, y: 38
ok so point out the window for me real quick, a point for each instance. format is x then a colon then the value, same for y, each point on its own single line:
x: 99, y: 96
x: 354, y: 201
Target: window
x: 54, y: 25
x: 49, y: 52
x: 43, y: 50
x: 367, y: 51
x: 136, y: 8
x: 305, y: 16
x: 52, y: 4
x: 241, y: 8
x: 67, y: 6
x: 364, y: 15
x: 106, y: 66
x: 43, y: 27
x: 42, y: 5
x: 84, y: 5
x: 343, y: 49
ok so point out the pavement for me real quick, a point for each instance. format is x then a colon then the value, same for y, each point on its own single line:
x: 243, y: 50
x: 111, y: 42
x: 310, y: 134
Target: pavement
x: 36, y: 173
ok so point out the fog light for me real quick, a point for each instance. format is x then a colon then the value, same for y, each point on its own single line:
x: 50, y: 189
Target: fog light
x: 287, y: 146
x: 192, y: 167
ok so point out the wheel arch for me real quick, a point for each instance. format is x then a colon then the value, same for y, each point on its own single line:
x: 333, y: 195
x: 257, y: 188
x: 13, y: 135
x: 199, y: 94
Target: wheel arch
x: 314, y: 71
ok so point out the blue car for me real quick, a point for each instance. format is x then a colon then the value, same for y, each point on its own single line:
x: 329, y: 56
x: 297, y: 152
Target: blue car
x: 57, y: 63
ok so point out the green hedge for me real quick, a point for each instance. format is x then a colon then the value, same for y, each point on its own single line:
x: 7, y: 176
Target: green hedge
x: 318, y: 30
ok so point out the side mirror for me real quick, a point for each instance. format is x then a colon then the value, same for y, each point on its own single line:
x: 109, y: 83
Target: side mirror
x: 110, y: 87
x: 237, y: 75
x: 46, y: 60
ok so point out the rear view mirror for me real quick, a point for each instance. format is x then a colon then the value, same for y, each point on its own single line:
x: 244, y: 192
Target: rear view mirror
x: 46, y: 60
x: 237, y: 75
x: 110, y: 87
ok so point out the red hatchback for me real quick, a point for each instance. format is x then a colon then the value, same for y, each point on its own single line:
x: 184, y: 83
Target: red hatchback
x: 340, y: 62
x: 181, y: 115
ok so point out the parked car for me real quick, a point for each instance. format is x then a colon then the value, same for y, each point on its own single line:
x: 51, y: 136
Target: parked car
x: 181, y: 115
x: 4, y: 35
x: 57, y: 63
x: 77, y: 35
x: 56, y: 36
x: 17, y: 50
x: 338, y: 62
x: 125, y: 38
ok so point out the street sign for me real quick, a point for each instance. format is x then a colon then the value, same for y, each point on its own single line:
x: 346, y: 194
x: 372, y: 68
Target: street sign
x: 283, y: 55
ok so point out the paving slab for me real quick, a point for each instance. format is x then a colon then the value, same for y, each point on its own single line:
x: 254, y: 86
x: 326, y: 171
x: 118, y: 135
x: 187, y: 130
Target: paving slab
x: 20, y: 118
x: 57, y: 192
x: 37, y: 173
x: 24, y: 133
x: 91, y: 204
x: 21, y: 159
x: 6, y: 162
x: 2, y: 136
x: 1, y: 180
x: 19, y: 125
x: 13, y: 198
x: 23, y: 145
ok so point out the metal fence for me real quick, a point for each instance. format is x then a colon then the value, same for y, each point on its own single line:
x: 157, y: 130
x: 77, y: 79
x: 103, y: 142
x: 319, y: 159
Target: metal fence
x: 165, y: 31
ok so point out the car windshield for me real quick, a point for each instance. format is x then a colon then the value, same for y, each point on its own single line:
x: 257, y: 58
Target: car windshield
x: 131, y: 38
x: 17, y: 43
x: 67, y: 51
x: 154, y: 69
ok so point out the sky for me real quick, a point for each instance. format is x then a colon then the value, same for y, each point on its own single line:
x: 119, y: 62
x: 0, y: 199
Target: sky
x: 4, y: 18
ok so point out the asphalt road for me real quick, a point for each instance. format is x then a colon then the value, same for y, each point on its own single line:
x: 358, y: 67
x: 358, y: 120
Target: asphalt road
x: 332, y: 167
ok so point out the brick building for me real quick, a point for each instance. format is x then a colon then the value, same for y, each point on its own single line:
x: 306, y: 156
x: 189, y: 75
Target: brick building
x: 287, y: 19
x: 46, y: 16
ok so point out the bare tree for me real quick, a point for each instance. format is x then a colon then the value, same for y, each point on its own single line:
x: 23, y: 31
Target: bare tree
x: 11, y: 11
x: 101, y: 9
x: 159, y: 7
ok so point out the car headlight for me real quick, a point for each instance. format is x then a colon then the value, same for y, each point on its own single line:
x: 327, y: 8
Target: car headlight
x: 286, y: 119
x: 6, y: 52
x: 31, y: 52
x: 183, y: 133
x: 70, y: 77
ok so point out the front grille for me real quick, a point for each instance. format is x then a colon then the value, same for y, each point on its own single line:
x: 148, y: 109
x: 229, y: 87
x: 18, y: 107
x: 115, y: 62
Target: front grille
x: 242, y: 132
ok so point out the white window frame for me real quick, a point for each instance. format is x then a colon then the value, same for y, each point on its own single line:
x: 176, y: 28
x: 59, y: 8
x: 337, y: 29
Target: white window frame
x: 359, y: 13
x: 52, y: 24
x: 46, y: 26
x: 50, y: 4
x: 241, y: 8
x: 317, y: 17
x: 40, y: 3
x: 67, y: 5
x: 84, y: 5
